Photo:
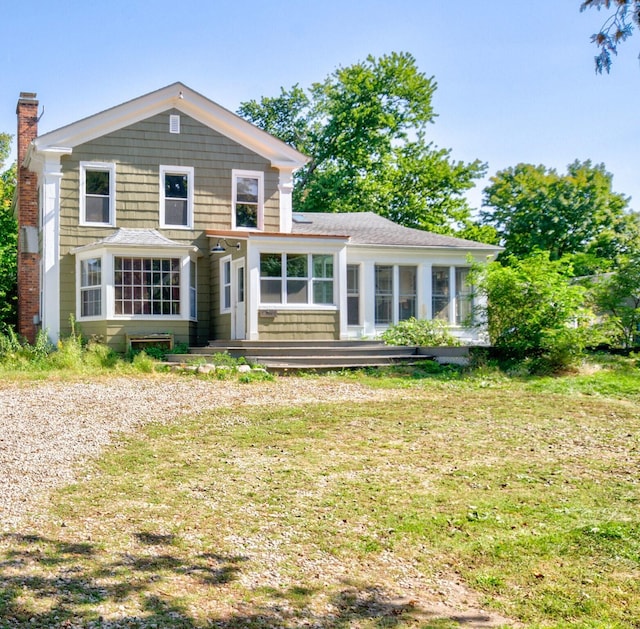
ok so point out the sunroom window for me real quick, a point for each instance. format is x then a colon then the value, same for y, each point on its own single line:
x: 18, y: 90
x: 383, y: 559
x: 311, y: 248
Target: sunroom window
x: 395, y: 293
x: 296, y: 278
x: 451, y: 290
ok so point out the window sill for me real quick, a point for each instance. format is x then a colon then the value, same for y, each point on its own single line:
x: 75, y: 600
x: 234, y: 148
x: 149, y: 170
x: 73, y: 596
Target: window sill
x: 293, y: 307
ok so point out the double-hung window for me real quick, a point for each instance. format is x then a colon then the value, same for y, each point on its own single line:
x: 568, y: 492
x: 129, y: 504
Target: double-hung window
x: 176, y: 197
x: 296, y: 278
x: 395, y: 293
x: 464, y: 297
x: 440, y: 292
x: 353, y: 294
x: 384, y: 294
x: 451, y: 293
x: 91, y: 287
x: 97, y: 193
x: 247, y: 199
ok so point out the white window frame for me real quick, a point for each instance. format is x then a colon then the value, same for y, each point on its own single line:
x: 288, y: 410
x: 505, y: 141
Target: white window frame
x: 107, y: 257
x: 177, y: 170
x: 252, y: 174
x: 358, y: 294
x: 81, y: 289
x: 193, y: 290
x: 283, y: 304
x: 110, y: 167
x: 225, y: 286
x: 395, y: 293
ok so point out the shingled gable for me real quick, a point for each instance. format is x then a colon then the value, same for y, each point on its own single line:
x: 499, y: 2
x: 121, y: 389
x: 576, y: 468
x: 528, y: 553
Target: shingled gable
x: 180, y: 97
x: 368, y: 228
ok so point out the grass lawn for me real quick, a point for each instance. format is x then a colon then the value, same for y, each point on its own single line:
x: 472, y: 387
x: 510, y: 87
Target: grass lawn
x: 517, y: 496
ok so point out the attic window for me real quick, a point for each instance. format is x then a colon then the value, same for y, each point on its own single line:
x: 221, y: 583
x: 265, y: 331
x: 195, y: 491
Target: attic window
x: 174, y: 123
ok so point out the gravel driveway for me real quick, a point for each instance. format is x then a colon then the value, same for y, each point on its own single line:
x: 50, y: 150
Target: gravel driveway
x: 46, y: 428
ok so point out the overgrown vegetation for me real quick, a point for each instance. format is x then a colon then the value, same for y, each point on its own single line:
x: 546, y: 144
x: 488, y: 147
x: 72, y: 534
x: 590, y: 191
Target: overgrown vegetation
x: 422, y: 332
x: 74, y: 355
x: 354, y: 514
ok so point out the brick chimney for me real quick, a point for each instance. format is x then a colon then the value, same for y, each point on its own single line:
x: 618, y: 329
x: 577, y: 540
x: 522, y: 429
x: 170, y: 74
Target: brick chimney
x: 28, y: 222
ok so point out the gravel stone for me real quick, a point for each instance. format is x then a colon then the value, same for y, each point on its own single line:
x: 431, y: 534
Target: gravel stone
x: 47, y: 428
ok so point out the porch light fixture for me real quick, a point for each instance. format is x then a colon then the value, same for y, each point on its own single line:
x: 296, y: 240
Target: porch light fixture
x: 220, y: 249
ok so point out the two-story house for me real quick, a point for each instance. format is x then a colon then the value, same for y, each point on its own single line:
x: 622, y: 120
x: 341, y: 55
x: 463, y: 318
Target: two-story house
x: 170, y: 214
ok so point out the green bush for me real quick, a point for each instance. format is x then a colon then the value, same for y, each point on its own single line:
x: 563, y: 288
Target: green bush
x: 422, y: 332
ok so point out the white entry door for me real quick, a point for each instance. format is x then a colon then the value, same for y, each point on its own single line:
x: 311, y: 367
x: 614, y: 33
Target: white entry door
x: 239, y: 313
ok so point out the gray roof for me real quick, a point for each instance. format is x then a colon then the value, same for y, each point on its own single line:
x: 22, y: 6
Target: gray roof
x: 134, y: 238
x: 368, y: 228
x: 139, y: 238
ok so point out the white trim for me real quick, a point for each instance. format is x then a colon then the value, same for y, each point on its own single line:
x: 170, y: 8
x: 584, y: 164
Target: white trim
x: 180, y: 97
x: 224, y: 309
x: 107, y: 255
x: 176, y: 170
x: 285, y: 188
x: 283, y: 304
x: 249, y: 174
x: 50, y: 233
x: 103, y: 292
x: 110, y: 167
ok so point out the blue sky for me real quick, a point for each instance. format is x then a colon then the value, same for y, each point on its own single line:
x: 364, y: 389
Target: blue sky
x: 515, y: 78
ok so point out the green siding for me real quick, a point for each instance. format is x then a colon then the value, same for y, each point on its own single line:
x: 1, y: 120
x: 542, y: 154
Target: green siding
x: 314, y: 325
x: 138, y: 151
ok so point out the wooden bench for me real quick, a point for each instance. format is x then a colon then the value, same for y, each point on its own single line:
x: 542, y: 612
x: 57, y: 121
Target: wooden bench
x: 140, y: 341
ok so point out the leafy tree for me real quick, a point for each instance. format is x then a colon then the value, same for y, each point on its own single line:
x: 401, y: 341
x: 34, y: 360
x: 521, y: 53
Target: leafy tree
x: 617, y: 28
x: 365, y: 130
x: 577, y: 214
x: 617, y: 296
x: 530, y: 307
x: 8, y: 239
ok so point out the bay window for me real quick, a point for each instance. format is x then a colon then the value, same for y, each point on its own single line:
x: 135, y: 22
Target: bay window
x: 118, y: 285
x: 146, y: 286
x: 91, y: 287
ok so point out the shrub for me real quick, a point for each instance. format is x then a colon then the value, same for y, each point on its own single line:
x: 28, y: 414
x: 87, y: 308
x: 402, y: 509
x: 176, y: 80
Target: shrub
x: 422, y: 332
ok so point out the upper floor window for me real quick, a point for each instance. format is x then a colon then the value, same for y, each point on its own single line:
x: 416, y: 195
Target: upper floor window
x: 452, y: 291
x: 97, y: 193
x: 176, y: 197
x: 247, y: 199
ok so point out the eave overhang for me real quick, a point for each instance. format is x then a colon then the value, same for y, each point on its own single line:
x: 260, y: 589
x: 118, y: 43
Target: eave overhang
x: 183, y: 99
